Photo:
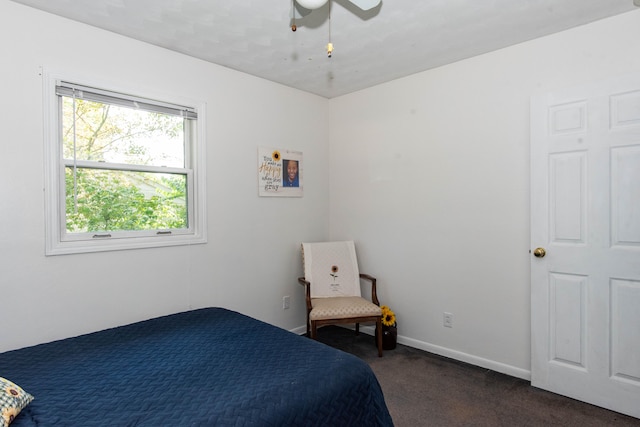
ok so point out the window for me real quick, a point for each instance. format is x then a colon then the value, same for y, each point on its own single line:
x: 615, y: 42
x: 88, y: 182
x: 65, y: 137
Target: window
x: 122, y: 171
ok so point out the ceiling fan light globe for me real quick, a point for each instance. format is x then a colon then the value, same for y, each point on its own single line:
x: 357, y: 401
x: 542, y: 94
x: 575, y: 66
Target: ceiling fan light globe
x: 312, y: 4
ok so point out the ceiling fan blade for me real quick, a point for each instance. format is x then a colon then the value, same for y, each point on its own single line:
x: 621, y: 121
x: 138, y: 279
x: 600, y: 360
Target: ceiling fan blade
x: 298, y: 12
x: 365, y: 4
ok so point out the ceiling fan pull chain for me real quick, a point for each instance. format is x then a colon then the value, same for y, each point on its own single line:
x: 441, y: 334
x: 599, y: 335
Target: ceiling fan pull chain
x: 329, y: 45
x: 293, y: 8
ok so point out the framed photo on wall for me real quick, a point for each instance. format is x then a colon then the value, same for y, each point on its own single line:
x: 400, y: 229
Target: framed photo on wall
x: 279, y: 172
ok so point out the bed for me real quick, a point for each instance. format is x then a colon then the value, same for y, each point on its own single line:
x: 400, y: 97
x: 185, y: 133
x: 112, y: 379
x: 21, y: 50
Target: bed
x: 203, y: 367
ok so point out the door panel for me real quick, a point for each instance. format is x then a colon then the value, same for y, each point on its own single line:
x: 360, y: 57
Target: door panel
x: 585, y: 212
x: 568, y: 197
x: 625, y: 195
x: 625, y: 308
x: 568, y: 319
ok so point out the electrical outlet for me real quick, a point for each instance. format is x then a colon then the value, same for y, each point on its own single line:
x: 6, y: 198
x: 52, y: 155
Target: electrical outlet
x: 447, y: 320
x: 285, y: 302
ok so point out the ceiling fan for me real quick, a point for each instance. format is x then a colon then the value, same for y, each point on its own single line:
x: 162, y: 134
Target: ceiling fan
x: 302, y: 8
x: 316, y: 4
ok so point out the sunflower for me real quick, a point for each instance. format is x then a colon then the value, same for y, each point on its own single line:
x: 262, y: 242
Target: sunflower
x: 388, y: 316
x: 9, y: 414
x: 12, y: 391
x: 334, y: 271
x: 275, y: 156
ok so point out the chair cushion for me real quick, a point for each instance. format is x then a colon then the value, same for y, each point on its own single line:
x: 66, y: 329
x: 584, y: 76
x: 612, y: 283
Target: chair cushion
x: 332, y: 269
x: 340, y: 307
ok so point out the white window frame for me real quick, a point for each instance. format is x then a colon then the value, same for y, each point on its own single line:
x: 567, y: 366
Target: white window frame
x: 57, y: 240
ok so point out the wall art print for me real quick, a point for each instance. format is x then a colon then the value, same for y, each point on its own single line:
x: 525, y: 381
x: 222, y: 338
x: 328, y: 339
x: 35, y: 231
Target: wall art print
x: 279, y: 172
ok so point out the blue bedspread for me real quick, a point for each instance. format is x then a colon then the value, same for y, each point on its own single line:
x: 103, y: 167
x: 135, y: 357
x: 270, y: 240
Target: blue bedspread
x: 198, y: 368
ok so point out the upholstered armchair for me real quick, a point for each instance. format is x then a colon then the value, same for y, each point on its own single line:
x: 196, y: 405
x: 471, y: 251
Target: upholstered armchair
x: 332, y: 286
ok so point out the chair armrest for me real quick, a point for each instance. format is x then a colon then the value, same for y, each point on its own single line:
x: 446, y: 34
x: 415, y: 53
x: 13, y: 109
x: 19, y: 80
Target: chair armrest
x: 374, y: 294
x: 307, y: 286
x: 367, y: 277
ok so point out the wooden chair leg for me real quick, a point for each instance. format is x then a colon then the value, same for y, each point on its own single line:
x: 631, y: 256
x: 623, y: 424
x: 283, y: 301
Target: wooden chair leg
x: 357, y: 328
x: 379, y: 336
x: 314, y: 330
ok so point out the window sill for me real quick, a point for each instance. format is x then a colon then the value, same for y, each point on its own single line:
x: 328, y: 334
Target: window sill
x: 104, y: 245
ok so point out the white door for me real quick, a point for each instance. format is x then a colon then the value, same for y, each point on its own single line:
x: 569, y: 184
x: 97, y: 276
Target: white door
x: 585, y: 213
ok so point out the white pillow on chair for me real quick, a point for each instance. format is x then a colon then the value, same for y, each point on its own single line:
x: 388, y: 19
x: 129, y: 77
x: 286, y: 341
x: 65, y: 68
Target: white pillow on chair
x: 332, y: 269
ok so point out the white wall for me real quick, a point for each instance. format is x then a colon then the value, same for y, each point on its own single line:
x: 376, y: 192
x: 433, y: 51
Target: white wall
x: 252, y: 258
x: 430, y: 177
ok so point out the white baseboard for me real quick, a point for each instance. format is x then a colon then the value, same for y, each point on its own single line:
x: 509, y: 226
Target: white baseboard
x: 447, y: 352
x: 300, y: 330
x: 467, y: 358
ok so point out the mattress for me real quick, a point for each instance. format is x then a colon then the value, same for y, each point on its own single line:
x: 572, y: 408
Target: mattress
x: 202, y: 367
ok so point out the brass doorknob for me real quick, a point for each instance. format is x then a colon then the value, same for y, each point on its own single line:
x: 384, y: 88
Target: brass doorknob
x: 539, y: 252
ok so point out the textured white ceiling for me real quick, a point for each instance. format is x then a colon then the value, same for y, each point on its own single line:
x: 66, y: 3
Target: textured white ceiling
x: 395, y: 39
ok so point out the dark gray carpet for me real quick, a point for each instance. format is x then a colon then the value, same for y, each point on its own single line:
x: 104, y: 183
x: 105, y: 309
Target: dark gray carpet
x: 424, y: 389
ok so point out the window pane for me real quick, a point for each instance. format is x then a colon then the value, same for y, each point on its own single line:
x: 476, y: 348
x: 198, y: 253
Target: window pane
x: 115, y: 134
x: 107, y: 200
